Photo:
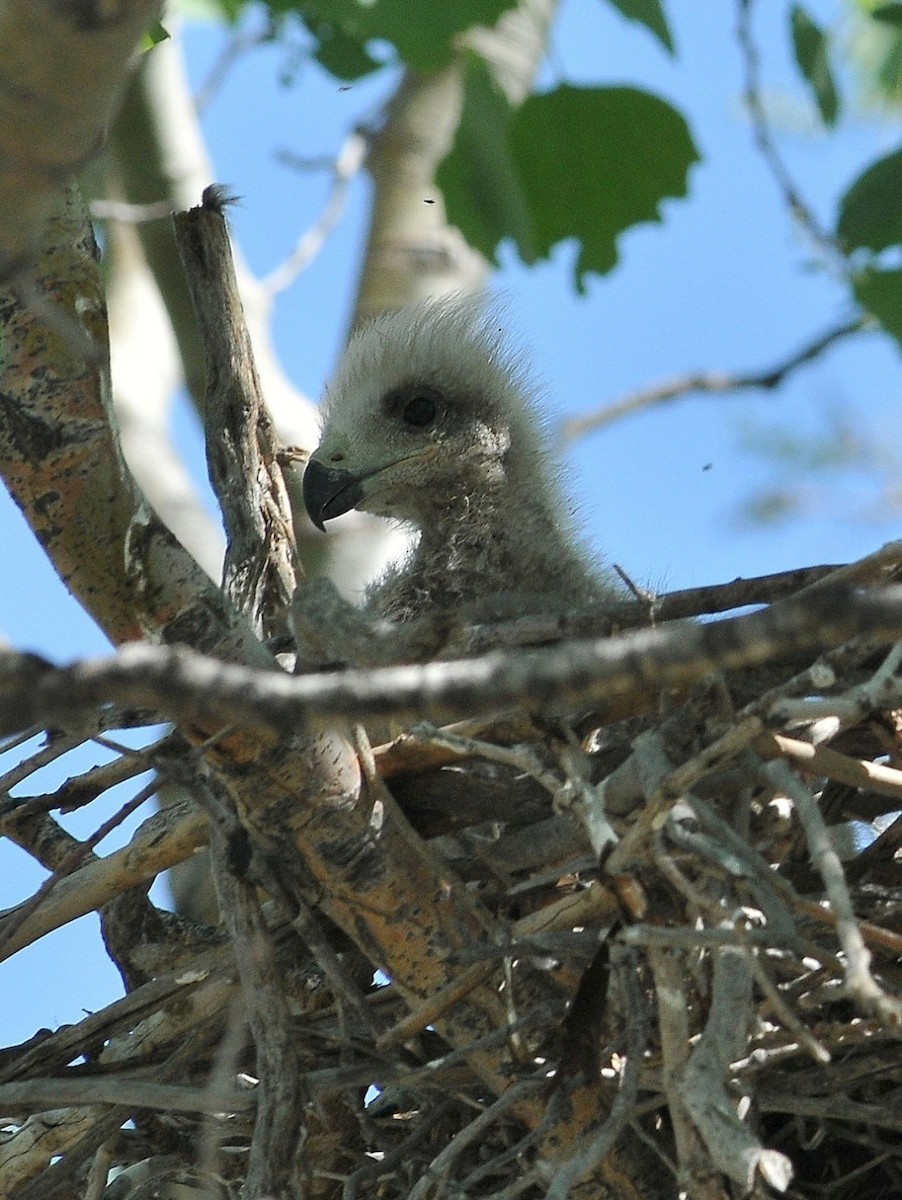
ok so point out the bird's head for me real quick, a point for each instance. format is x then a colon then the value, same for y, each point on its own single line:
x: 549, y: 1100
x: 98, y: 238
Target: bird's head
x: 426, y: 413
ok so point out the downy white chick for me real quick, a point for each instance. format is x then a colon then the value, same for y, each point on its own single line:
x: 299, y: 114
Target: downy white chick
x: 432, y: 421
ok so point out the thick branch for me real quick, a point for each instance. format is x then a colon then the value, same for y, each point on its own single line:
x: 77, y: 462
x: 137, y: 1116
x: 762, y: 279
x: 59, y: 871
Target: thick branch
x: 60, y: 459
x: 259, y: 575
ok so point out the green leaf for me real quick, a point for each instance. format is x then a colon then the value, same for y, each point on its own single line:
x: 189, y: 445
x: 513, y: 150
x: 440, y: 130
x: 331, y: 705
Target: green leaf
x: 890, y: 14
x: 870, y: 213
x: 156, y: 34
x: 343, y: 56
x: 811, y: 48
x: 880, y: 292
x: 649, y: 13
x: 231, y: 10
x: 483, y: 194
x: 423, y: 34
x: 583, y: 163
x: 595, y: 161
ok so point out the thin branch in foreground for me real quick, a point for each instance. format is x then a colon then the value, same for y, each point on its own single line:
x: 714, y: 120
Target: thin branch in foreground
x: 130, y: 214
x: 188, y: 686
x: 710, y: 382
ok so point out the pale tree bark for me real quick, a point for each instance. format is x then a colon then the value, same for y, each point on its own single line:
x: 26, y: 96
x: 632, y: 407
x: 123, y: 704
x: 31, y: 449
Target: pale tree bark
x: 158, y: 157
x: 62, y: 67
x: 412, y: 252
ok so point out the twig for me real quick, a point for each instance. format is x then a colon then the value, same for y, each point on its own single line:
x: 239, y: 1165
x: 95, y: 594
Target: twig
x: 130, y: 214
x: 861, y: 986
x: 399, y: 1154
x: 99, y: 1172
x: 164, y: 839
x: 523, y: 1183
x: 821, y: 760
x: 277, y: 1129
x: 732, y: 1145
x: 602, y: 620
x: 649, y: 775
x: 127, y: 1093
x: 50, y: 1053
x: 222, y: 1072
x: 345, y: 167
x: 79, y: 853
x: 237, y: 45
x: 712, y: 382
x: 669, y: 975
x: 883, y: 690
x: 784, y: 1013
x: 765, y: 143
x: 437, y: 1171
x: 829, y: 1108
x: 430, y: 1010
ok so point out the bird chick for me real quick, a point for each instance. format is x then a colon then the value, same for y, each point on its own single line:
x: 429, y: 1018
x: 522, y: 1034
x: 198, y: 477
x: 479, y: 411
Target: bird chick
x: 431, y: 420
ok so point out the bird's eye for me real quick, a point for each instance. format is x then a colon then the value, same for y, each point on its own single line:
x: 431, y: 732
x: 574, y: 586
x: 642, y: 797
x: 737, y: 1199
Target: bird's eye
x: 419, y: 412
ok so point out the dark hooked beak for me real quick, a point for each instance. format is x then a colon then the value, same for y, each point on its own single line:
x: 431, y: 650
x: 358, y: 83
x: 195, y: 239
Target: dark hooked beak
x: 329, y: 492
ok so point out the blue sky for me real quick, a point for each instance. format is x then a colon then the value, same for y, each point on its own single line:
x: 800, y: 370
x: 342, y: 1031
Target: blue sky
x: 725, y: 282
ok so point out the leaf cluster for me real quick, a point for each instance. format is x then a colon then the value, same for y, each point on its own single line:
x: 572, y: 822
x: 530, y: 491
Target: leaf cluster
x: 586, y: 163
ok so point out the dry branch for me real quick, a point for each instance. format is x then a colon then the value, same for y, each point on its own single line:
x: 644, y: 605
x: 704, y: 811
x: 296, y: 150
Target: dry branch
x: 708, y: 383
x: 259, y: 575
x: 188, y: 686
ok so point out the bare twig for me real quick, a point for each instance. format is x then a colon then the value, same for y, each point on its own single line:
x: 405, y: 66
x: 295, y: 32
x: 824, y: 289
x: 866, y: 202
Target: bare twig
x: 129, y: 1093
x: 785, y: 1014
x: 344, y: 168
x: 130, y: 214
x: 438, y: 1169
x: 235, y: 47
x: 733, y: 1147
x: 860, y: 983
x: 882, y: 690
x: 792, y: 197
x: 711, y: 382
x: 163, y: 840
x: 79, y: 852
x: 669, y: 974
x: 821, y: 760
x: 280, y: 1104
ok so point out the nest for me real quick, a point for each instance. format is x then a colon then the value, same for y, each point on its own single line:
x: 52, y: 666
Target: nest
x: 689, y: 903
